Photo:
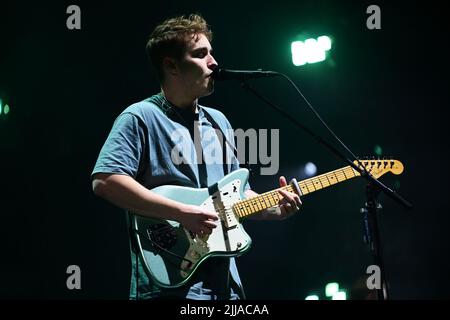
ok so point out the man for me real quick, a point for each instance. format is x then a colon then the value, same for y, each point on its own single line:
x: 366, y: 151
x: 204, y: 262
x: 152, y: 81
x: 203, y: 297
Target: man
x: 137, y: 156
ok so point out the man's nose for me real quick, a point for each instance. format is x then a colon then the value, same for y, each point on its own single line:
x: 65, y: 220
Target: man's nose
x: 212, y: 64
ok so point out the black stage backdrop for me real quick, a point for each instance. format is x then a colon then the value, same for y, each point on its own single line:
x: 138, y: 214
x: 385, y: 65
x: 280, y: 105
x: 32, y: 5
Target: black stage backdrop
x: 386, y: 87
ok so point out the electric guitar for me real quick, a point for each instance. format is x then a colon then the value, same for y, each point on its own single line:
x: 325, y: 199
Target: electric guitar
x: 171, y: 254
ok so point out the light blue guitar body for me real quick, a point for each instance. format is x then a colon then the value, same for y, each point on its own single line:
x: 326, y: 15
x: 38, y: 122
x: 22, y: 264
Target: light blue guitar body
x: 170, y: 253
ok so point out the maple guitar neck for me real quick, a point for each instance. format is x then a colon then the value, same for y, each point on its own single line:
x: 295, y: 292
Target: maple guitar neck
x: 269, y: 199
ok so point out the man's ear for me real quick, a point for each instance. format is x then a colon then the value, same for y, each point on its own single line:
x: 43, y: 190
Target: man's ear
x: 170, y: 65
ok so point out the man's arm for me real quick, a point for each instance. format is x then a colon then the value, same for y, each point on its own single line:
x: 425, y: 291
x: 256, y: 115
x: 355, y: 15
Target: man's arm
x: 127, y: 193
x: 289, y: 205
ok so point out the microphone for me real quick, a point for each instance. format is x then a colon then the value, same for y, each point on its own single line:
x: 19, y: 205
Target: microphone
x: 227, y: 74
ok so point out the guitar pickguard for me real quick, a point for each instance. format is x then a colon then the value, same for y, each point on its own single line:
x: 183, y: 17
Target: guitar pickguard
x: 227, y: 237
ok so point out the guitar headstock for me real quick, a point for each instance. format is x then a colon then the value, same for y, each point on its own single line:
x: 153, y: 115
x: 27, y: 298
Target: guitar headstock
x: 378, y: 167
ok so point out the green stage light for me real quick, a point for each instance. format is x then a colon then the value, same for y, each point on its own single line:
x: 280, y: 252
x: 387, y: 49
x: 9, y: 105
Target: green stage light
x: 6, y: 109
x: 340, y: 295
x: 324, y: 42
x: 1, y: 106
x: 310, y: 50
x: 312, y: 297
x: 298, y: 56
x: 378, y: 150
x: 331, y: 288
x: 313, y: 51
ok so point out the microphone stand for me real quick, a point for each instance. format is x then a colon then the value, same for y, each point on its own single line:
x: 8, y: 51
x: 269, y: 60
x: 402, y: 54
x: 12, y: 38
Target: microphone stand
x: 373, y: 188
x: 372, y: 236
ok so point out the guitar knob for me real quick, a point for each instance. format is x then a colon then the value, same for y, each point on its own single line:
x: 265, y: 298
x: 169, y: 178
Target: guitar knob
x: 195, y: 254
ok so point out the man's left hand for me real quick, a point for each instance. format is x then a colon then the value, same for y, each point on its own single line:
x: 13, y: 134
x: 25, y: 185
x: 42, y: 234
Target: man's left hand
x: 289, y: 204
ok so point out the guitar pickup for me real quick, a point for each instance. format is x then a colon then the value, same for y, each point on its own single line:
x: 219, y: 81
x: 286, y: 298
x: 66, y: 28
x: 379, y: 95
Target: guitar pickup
x: 230, y: 220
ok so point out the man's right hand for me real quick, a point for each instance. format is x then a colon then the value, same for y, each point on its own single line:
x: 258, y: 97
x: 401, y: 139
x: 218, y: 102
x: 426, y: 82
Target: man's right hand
x: 197, y: 219
x: 127, y: 193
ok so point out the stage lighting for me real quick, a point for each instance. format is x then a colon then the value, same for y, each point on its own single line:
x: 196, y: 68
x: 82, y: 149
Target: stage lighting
x: 340, y: 295
x: 310, y: 50
x: 310, y: 169
x: 378, y: 150
x: 324, y: 42
x: 331, y: 288
x: 314, y: 51
x: 298, y: 56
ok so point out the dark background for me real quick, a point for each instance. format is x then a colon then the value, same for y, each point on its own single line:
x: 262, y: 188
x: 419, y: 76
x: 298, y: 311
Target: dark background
x: 385, y: 87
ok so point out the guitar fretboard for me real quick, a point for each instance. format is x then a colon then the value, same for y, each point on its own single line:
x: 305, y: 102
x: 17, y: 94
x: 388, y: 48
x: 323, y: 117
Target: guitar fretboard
x: 269, y: 199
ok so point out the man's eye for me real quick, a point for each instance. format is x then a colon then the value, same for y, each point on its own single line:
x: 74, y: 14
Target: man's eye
x: 199, y: 54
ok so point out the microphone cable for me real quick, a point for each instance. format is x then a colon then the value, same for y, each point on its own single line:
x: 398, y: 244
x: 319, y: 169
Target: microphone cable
x: 321, y: 120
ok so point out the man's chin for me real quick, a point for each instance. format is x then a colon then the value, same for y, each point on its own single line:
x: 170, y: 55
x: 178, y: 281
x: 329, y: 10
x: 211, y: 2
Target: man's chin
x: 208, y: 91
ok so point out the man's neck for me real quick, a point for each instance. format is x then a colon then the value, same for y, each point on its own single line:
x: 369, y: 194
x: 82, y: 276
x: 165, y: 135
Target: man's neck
x: 180, y: 100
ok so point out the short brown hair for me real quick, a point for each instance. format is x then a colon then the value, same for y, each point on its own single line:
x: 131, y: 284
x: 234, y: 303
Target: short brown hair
x: 170, y: 38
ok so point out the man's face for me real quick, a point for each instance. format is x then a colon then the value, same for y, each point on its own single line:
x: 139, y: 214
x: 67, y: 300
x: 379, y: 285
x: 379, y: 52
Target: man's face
x: 196, y: 66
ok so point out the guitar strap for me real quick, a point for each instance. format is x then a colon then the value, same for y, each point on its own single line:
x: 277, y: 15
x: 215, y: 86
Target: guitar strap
x: 223, y: 141
x: 161, y: 102
x: 237, y: 288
